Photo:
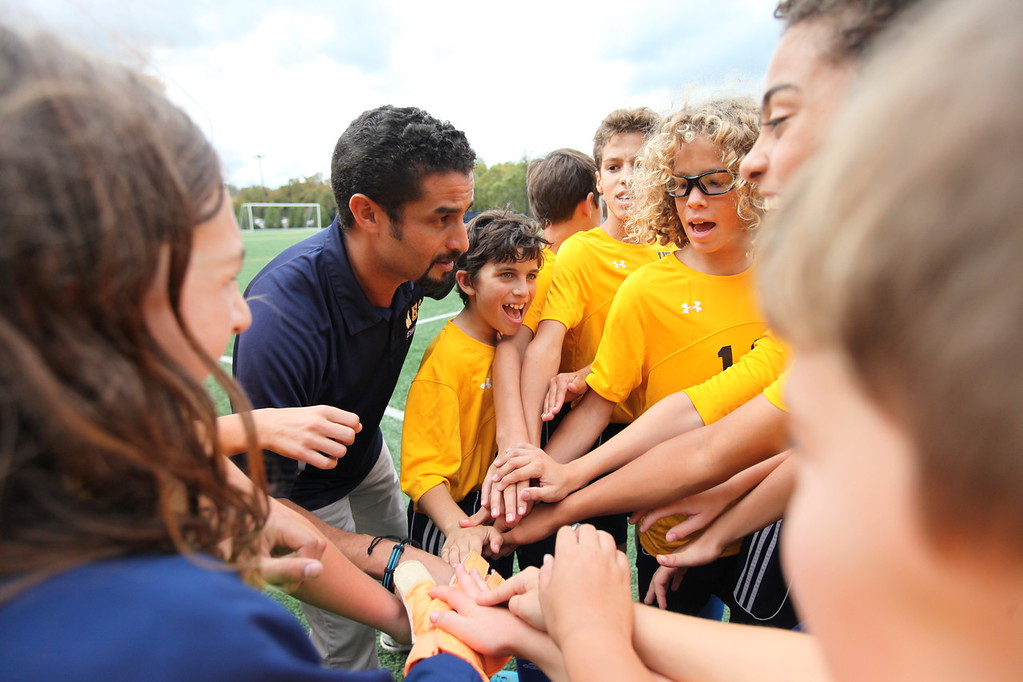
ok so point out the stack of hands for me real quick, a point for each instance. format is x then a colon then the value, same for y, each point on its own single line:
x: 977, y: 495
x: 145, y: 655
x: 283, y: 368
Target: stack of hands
x: 548, y: 614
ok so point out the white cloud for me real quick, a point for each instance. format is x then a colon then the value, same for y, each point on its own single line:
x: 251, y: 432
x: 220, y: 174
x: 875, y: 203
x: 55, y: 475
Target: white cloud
x: 520, y: 78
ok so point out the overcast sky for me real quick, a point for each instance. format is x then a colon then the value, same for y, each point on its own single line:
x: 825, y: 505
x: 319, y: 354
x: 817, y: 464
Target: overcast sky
x: 283, y: 79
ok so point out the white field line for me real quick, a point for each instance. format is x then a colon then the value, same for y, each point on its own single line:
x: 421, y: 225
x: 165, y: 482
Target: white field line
x: 389, y: 411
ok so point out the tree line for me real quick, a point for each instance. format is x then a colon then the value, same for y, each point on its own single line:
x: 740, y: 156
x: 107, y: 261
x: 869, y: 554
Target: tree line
x: 502, y: 185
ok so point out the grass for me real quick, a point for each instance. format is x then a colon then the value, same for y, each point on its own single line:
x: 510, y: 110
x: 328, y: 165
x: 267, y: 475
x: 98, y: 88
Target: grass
x: 260, y: 248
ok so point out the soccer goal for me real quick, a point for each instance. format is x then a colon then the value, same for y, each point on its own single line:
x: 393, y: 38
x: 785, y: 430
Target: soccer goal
x: 278, y: 216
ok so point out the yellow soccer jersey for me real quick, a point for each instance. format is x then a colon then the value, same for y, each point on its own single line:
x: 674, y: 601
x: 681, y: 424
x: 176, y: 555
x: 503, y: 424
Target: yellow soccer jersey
x: 775, y: 393
x: 589, y: 268
x: 741, y: 382
x: 450, y: 433
x: 671, y: 327
x: 543, y: 284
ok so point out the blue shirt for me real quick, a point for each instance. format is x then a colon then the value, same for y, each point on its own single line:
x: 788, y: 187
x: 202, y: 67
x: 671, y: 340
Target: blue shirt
x: 317, y: 339
x: 167, y: 618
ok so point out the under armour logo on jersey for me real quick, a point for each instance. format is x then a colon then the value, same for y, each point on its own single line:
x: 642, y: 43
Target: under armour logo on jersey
x: 618, y: 263
x: 486, y: 384
x: 695, y: 307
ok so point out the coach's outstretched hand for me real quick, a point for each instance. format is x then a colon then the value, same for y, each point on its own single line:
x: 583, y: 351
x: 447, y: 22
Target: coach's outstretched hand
x: 318, y: 435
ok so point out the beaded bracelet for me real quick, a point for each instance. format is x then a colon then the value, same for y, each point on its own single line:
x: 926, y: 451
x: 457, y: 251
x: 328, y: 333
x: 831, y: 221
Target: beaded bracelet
x: 392, y: 562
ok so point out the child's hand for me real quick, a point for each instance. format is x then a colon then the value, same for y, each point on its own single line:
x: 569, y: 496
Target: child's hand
x: 487, y: 629
x: 564, y: 388
x: 463, y: 541
x: 697, y: 552
x: 502, y: 501
x: 665, y: 578
x: 318, y: 435
x: 525, y: 462
x: 700, y: 509
x: 521, y: 592
x: 588, y: 584
x: 290, y: 551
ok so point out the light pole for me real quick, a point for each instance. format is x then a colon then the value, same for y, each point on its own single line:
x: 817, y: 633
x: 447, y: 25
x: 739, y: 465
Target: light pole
x: 262, y: 183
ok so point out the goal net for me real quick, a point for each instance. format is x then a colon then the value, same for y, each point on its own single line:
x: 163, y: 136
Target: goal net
x: 278, y: 216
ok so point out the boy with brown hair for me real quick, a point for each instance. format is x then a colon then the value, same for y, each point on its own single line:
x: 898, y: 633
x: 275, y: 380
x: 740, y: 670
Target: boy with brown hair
x: 590, y: 267
x: 448, y: 439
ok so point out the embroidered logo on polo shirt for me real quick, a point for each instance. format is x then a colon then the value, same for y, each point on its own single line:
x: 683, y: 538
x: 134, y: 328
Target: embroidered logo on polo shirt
x: 693, y: 307
x: 619, y: 264
x: 410, y: 319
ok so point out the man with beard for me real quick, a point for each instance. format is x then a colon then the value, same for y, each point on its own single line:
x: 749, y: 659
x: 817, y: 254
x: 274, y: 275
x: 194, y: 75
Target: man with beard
x: 333, y: 318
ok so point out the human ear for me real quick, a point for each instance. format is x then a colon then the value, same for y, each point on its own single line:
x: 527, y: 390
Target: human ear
x: 368, y: 214
x: 590, y: 204
x: 464, y: 280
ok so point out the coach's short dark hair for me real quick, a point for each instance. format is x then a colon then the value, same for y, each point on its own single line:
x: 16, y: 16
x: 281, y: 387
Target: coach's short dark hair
x: 385, y: 153
x: 499, y: 236
x: 556, y: 183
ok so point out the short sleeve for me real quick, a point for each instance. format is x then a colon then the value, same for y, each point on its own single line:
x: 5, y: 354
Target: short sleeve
x: 740, y: 383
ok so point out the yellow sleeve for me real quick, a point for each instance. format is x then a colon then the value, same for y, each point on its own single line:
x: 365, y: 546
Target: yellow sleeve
x: 617, y: 369
x: 543, y: 285
x: 431, y: 453
x: 741, y: 382
x: 775, y: 393
x: 568, y: 293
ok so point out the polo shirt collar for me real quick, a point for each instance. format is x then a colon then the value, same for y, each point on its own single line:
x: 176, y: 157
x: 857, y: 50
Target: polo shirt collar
x: 359, y: 311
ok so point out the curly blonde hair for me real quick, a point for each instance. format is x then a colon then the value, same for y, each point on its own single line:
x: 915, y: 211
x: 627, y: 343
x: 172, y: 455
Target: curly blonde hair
x: 732, y: 124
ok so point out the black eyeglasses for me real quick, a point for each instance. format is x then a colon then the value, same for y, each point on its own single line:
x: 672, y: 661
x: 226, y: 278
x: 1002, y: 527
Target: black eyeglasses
x: 711, y: 183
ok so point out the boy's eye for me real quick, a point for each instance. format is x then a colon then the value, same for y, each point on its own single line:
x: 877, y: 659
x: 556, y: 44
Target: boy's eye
x: 531, y: 276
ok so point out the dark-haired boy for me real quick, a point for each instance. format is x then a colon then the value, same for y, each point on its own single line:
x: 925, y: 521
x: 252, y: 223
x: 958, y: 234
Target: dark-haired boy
x: 449, y: 435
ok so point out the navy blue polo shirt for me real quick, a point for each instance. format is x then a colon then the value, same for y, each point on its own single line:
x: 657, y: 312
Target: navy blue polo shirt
x: 317, y: 339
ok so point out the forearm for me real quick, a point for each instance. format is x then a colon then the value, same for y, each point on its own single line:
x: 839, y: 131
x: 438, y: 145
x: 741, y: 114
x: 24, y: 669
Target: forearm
x: 599, y: 653
x: 687, y: 648
x: 762, y: 507
x: 510, y: 418
x: 692, y: 462
x: 438, y: 504
x: 748, y: 479
x: 540, y: 363
x: 344, y: 588
x: 581, y: 428
x: 231, y: 438
x: 539, y: 648
x: 669, y: 417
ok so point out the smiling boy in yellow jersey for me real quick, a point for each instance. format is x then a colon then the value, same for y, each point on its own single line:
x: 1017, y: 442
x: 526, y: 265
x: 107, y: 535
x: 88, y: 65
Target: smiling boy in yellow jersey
x: 448, y: 439
x: 589, y: 268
